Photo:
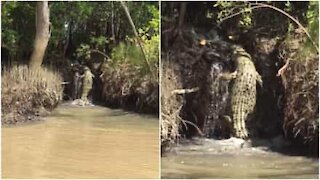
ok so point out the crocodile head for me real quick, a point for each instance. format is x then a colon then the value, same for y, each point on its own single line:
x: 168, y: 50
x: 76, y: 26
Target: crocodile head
x: 240, y: 56
x: 240, y: 51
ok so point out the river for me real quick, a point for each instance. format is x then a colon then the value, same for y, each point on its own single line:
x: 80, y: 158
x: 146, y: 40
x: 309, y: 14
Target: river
x: 222, y: 159
x: 83, y: 142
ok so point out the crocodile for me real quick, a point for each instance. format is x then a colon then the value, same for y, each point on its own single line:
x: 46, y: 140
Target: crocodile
x: 86, y: 84
x: 244, y: 91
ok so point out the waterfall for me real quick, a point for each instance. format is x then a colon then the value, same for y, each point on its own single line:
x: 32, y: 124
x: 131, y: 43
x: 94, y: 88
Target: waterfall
x: 218, y: 102
x: 77, y: 84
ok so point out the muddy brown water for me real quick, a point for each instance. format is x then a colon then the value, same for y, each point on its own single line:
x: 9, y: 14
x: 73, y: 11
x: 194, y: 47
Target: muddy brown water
x: 203, y: 161
x: 83, y: 142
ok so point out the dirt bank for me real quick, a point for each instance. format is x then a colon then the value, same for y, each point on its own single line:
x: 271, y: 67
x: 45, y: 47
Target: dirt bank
x: 126, y: 87
x: 27, y: 94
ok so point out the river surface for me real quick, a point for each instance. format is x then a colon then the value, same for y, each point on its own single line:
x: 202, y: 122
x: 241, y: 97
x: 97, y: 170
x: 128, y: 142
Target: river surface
x: 83, y: 142
x: 218, y: 160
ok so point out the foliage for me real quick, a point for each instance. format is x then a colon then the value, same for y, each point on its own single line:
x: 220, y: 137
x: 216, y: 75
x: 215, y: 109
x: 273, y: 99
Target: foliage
x: 229, y: 8
x: 313, y: 26
x: 64, y: 16
x: 131, y: 53
x: 97, y: 24
x: 128, y: 50
x: 9, y: 35
x: 14, y: 27
x: 127, y: 53
x: 152, y: 49
x: 313, y: 19
x: 79, y: 28
x: 296, y: 40
x: 84, y: 51
x: 127, y: 78
x: 155, y: 21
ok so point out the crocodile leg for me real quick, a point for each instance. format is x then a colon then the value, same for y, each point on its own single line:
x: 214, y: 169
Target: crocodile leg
x: 235, y: 112
x: 239, y: 128
x: 228, y: 76
x: 244, y: 129
x: 242, y: 120
x: 237, y: 124
x: 240, y: 113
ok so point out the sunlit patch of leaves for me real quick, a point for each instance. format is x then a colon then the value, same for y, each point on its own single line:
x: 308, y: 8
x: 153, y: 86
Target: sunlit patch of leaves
x: 228, y: 8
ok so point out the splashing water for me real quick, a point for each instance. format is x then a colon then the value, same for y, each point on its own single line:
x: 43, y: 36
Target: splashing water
x: 218, y: 100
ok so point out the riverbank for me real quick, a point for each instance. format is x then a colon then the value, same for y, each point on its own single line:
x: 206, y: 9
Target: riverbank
x: 28, y: 94
x: 129, y: 86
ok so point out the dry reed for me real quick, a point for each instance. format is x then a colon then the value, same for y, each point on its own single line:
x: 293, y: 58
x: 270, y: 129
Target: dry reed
x: 25, y: 91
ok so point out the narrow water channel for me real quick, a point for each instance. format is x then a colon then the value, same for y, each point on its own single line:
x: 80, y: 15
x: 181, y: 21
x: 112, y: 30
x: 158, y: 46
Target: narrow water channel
x: 207, y: 161
x: 83, y: 142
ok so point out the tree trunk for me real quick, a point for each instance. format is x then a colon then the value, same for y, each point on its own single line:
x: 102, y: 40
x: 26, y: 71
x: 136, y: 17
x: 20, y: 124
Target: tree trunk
x: 183, y: 8
x: 112, y: 23
x: 42, y: 34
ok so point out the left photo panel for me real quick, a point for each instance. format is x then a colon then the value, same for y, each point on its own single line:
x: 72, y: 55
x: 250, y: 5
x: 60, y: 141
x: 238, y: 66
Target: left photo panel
x: 80, y: 90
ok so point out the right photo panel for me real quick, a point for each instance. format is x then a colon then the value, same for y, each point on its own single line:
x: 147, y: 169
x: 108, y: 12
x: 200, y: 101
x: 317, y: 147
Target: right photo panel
x: 239, y: 90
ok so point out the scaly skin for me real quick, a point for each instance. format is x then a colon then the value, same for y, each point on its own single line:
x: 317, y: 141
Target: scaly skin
x: 244, y: 92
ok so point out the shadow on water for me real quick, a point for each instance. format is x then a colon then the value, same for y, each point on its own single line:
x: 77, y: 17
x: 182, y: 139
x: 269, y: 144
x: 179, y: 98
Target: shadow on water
x: 287, y: 149
x: 121, y: 112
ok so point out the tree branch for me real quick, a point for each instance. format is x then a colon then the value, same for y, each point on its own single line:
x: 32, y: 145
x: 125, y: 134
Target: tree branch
x: 261, y: 5
x: 292, y: 18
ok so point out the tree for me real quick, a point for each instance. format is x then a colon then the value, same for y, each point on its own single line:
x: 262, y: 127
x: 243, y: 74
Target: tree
x: 42, y: 34
x: 137, y: 36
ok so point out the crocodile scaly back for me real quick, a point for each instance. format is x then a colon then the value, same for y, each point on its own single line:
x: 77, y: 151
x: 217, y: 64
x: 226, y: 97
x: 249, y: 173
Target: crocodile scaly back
x: 244, y: 92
